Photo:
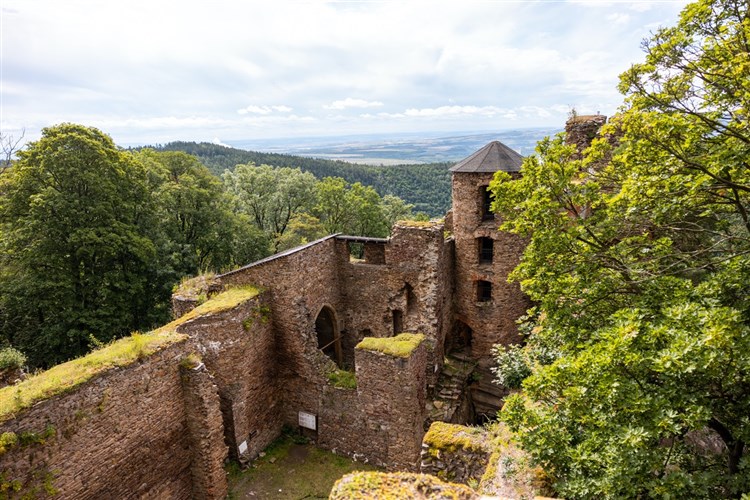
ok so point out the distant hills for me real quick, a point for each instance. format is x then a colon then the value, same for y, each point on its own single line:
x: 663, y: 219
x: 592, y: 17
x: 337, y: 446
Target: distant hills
x: 411, y: 167
x: 377, y: 149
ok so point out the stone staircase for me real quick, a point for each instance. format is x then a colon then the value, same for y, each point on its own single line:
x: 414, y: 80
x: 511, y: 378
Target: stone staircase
x: 486, y: 395
x: 451, y: 402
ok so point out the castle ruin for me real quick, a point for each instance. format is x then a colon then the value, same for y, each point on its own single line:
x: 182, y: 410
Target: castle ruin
x: 432, y: 296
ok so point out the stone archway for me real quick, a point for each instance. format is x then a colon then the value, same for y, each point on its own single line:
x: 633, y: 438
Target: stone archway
x: 459, y: 338
x: 329, y: 337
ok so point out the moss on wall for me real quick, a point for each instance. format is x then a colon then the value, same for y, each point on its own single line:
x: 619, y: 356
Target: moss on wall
x: 443, y: 436
x: 342, y: 379
x: 401, y: 345
x: 422, y: 224
x: 123, y: 352
x: 396, y: 486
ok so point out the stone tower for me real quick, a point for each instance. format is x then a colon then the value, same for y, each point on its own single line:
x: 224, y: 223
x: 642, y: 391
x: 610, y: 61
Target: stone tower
x: 486, y: 305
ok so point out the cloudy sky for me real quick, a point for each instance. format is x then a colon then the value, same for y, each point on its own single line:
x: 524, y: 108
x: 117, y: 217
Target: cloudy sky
x: 148, y: 71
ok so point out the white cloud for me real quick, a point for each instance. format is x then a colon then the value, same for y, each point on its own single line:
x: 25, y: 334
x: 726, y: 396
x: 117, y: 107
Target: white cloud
x: 444, y: 111
x: 264, y: 110
x: 404, y: 66
x: 619, y: 18
x: 350, y: 102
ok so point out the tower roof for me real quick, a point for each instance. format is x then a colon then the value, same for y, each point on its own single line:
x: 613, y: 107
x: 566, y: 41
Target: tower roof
x: 491, y: 158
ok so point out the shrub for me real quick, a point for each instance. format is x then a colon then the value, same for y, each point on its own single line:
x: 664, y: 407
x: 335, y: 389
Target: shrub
x: 11, y: 358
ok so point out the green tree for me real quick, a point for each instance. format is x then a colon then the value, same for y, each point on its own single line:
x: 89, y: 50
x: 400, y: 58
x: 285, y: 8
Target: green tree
x: 639, y: 263
x: 356, y: 209
x: 199, y: 230
x: 77, y: 260
x: 395, y: 209
x: 303, y: 228
x: 271, y: 196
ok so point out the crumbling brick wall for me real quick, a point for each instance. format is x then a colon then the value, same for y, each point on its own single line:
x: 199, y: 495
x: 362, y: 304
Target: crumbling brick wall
x: 493, y: 321
x: 153, y: 429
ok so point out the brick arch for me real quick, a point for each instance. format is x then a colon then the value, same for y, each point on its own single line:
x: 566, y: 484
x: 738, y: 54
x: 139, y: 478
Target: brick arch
x: 328, y: 334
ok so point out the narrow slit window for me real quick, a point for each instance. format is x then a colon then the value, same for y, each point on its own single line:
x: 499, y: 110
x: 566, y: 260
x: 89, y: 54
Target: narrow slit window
x: 398, y: 321
x: 486, y: 250
x: 486, y: 197
x: 484, y: 291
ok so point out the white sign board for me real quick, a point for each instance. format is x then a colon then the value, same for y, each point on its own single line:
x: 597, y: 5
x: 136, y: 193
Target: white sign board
x: 243, y: 447
x: 307, y: 420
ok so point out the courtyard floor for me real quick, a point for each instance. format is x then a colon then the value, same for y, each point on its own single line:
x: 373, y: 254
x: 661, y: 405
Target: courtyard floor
x: 291, y: 469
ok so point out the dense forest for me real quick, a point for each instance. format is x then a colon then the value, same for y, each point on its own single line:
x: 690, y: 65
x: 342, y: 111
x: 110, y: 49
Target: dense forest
x: 94, y: 237
x: 426, y: 186
x: 635, y: 377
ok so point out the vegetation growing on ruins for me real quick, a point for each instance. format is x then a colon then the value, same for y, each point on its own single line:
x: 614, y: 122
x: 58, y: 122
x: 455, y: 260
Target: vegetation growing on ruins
x: 293, y: 466
x: 66, y: 376
x: 639, y: 263
x: 451, y: 437
x: 93, y: 238
x: 425, y: 224
x: 401, y: 346
x: 396, y: 486
x: 343, y: 379
x: 123, y: 352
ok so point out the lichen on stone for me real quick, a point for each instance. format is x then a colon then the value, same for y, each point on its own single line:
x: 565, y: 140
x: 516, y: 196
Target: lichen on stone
x: 396, y: 486
x: 401, y: 346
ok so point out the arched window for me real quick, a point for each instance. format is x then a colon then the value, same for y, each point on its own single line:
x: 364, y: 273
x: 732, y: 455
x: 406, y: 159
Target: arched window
x: 329, y: 339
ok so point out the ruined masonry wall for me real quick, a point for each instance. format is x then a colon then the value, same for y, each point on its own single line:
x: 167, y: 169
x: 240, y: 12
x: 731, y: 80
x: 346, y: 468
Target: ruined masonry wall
x: 154, y: 429
x: 238, y: 348
x: 299, y: 283
x: 415, y: 279
x: 455, y: 452
x: 391, y: 394
x: 492, y: 322
x: 120, y: 435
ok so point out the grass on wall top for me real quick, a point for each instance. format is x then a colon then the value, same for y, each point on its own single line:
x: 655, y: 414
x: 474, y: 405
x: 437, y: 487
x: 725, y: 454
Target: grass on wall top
x: 123, y: 352
x: 401, y: 346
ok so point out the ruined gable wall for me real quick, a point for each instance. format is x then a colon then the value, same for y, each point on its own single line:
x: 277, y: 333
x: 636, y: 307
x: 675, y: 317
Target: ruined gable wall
x: 300, y: 282
x: 415, y: 279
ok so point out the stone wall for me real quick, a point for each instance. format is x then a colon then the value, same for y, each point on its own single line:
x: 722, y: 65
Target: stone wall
x: 205, y: 430
x: 581, y: 130
x: 238, y: 348
x: 413, y: 282
x: 299, y: 283
x: 156, y: 428
x: 391, y: 391
x: 493, y: 321
x: 121, y: 435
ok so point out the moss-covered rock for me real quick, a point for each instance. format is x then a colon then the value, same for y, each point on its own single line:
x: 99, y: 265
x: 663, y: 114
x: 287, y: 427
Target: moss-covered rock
x: 401, y: 345
x: 452, y: 437
x: 397, y: 486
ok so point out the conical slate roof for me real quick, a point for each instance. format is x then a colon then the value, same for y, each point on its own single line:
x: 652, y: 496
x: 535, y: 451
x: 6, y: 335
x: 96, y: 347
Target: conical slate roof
x: 491, y: 158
